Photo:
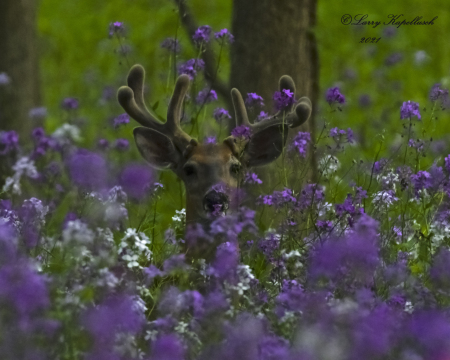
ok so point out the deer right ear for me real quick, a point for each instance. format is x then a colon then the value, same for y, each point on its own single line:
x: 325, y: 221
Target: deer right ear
x: 156, y: 148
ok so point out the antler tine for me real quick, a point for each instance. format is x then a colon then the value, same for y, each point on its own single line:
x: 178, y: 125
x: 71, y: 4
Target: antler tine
x: 176, y: 103
x: 301, y: 113
x: 174, y: 112
x: 287, y: 83
x: 239, y: 108
x: 126, y: 99
x: 131, y: 98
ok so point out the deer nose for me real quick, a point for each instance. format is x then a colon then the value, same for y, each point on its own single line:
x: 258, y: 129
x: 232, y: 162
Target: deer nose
x: 215, y: 202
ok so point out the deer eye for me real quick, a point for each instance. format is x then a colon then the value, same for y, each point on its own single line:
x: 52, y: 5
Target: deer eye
x: 189, y: 170
x: 235, y: 168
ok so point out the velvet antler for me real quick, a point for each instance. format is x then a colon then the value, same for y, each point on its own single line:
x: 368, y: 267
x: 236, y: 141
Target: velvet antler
x: 301, y: 113
x: 131, y: 98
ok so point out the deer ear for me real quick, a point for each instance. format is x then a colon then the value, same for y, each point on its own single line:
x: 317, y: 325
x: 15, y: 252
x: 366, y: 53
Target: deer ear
x: 265, y: 146
x: 156, y: 148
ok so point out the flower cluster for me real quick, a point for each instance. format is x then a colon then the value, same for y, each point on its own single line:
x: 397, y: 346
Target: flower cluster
x: 254, y: 100
x: 206, y: 96
x: 334, y: 95
x: 202, y: 34
x: 242, y: 131
x: 283, y: 99
x: 191, y: 67
x: 336, y: 134
x: 172, y: 45
x: 409, y: 109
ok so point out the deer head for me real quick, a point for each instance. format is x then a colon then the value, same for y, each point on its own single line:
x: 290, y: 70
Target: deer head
x: 201, y: 166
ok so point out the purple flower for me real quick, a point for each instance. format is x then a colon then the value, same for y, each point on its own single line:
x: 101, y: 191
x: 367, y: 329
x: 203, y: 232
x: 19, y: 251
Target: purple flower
x: 409, y: 109
x: 122, y: 119
x: 135, y: 180
x: 206, y: 96
x: 334, y: 95
x: 38, y: 133
x: 23, y: 289
x: 122, y: 144
x: 348, y: 260
x: 9, y: 141
x: 437, y: 93
x: 447, y: 163
x: 224, y: 36
x: 416, y: 144
x: 88, y: 170
x: 103, y: 144
x: 172, y: 45
x: 210, y: 140
x: 226, y: 261
x: 253, y: 100
x: 312, y: 193
x: 393, y: 59
x: 421, y: 180
x: 262, y: 116
x: 440, y: 271
x: 252, y: 178
x: 117, y: 313
x: 38, y: 113
x: 242, y: 131
x: 167, y: 347
x: 283, y: 99
x: 151, y: 272
x: 175, y: 262
x: 117, y: 28
x: 191, y: 67
x: 4, y: 79
x: 221, y: 114
x: 300, y: 142
x: 326, y: 225
x: 202, y: 34
x: 365, y: 100
x: 350, y: 137
x: 70, y: 104
x: 265, y: 200
x: 334, y: 132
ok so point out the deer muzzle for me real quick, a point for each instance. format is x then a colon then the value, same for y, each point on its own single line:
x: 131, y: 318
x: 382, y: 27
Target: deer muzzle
x: 215, y: 203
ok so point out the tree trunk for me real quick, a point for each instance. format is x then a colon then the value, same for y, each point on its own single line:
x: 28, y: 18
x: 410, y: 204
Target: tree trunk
x: 19, y: 60
x: 274, y: 38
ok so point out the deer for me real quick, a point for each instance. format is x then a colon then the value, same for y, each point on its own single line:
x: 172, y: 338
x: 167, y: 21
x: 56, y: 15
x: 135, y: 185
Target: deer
x: 201, y: 166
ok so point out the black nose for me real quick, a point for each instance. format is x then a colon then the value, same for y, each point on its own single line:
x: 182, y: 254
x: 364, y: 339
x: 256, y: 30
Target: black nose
x: 215, y: 201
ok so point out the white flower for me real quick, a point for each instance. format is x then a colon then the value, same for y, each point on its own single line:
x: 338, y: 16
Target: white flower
x: 324, y: 208
x: 385, y: 197
x: 24, y: 166
x: 132, y: 245
x: 67, y: 132
x: 180, y: 215
x: 329, y: 164
x: 77, y: 231
x: 388, y: 181
x: 40, y: 209
x: 107, y: 278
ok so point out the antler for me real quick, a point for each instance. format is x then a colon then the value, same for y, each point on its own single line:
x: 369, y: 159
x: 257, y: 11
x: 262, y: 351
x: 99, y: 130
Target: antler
x: 295, y: 118
x: 131, y: 98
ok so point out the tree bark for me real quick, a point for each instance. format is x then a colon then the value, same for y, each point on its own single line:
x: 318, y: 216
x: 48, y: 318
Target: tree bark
x: 19, y: 60
x: 274, y: 38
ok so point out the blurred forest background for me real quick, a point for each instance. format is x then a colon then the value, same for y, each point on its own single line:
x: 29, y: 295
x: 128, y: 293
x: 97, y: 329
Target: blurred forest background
x: 77, y: 59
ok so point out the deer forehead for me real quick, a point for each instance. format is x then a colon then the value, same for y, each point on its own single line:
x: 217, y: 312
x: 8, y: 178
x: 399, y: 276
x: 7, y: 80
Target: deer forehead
x: 212, y: 155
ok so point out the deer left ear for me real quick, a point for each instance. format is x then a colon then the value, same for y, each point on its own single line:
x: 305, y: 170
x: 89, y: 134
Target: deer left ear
x: 265, y: 146
x: 156, y: 148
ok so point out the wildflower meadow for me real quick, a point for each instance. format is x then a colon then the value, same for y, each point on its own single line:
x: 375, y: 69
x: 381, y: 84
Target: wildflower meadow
x: 339, y: 249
